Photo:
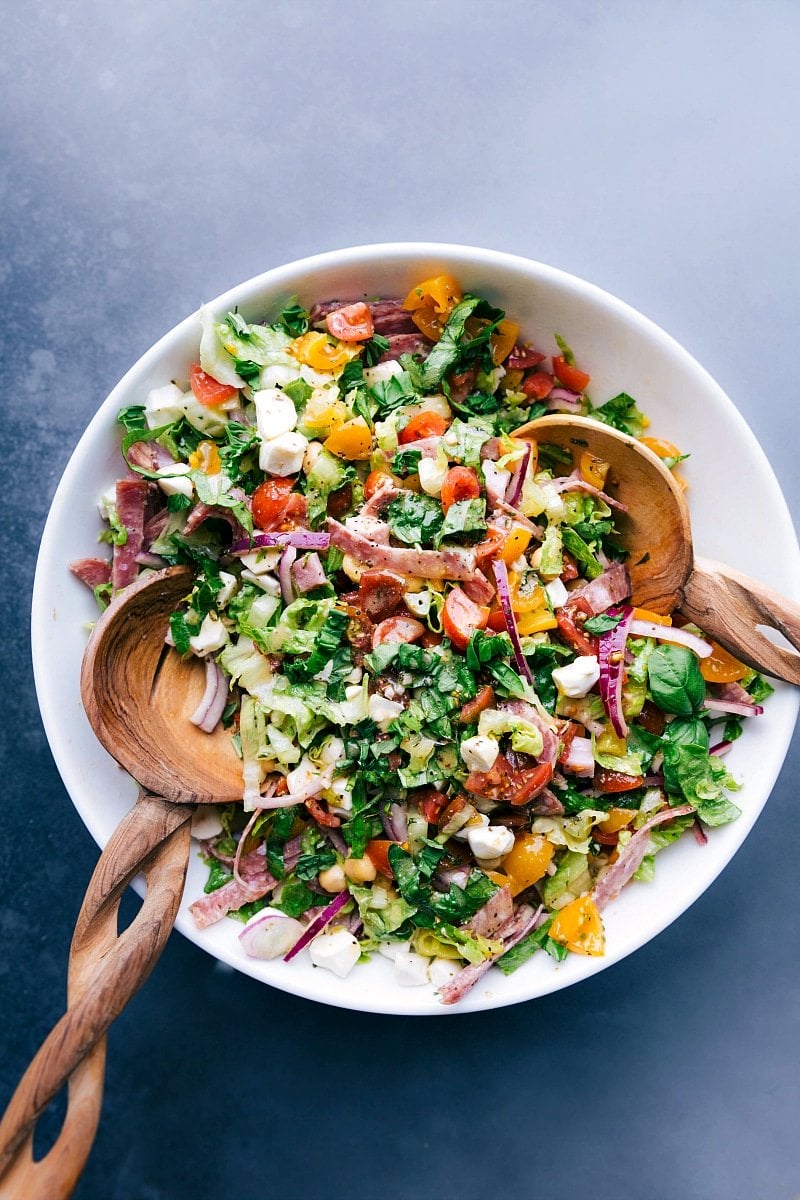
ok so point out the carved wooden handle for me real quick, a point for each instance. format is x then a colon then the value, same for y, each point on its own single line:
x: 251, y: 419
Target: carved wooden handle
x: 730, y: 607
x: 105, y: 970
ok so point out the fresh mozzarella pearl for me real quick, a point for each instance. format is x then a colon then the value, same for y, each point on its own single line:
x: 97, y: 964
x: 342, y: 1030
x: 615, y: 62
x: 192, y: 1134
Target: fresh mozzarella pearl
x: 578, y: 677
x: 479, y: 753
x: 177, y: 483
x: 489, y: 841
x: 275, y: 413
x: 392, y: 949
x: 381, y: 372
x: 283, y: 455
x: 337, y: 951
x: 442, y: 970
x: 380, y: 709
x: 432, y: 473
x: 410, y: 969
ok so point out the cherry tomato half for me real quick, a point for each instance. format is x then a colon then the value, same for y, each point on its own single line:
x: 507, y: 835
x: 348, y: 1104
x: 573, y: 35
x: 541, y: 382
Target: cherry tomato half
x: 461, y: 617
x: 460, y: 483
x: 209, y: 391
x: 424, y: 424
x: 353, y: 323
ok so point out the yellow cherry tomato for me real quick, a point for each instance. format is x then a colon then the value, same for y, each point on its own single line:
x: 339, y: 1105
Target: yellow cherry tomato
x: 320, y: 353
x: 527, y: 861
x: 515, y: 544
x: 441, y: 293
x: 531, y: 601
x: 661, y: 447
x: 429, y: 322
x: 579, y: 927
x: 617, y: 819
x: 206, y: 458
x: 722, y: 667
x: 503, y: 341
x: 536, y: 622
x: 353, y: 440
x: 593, y: 470
x: 645, y: 614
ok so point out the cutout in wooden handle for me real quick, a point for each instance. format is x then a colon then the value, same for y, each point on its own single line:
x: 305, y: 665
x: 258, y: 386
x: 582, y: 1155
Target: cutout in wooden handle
x: 106, y: 969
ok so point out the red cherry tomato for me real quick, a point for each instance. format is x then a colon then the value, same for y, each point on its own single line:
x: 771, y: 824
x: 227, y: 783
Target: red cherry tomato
x: 377, y: 851
x: 571, y: 630
x: 207, y: 390
x: 270, y: 501
x: 570, y: 376
x: 538, y: 385
x: 397, y: 629
x: 380, y: 593
x: 526, y: 784
x: 422, y: 425
x: 473, y: 708
x: 430, y: 803
x: 460, y: 483
x: 461, y: 617
x: 353, y: 323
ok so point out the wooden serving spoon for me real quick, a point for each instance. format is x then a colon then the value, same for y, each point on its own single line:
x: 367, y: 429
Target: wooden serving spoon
x: 656, y: 530
x: 138, y: 695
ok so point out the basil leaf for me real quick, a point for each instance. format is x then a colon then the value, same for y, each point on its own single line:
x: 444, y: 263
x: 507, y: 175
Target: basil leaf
x: 415, y: 518
x: 467, y: 518
x: 601, y: 623
x: 676, y: 683
x: 621, y: 412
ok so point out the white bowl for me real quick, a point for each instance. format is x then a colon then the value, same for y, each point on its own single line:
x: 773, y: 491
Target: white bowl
x: 739, y: 517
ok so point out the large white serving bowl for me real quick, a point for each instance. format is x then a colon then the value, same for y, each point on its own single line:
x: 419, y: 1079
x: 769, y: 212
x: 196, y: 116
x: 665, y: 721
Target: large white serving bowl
x: 739, y: 517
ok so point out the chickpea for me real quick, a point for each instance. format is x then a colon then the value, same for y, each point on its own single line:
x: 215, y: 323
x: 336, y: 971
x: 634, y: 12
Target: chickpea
x: 332, y: 879
x: 360, y: 870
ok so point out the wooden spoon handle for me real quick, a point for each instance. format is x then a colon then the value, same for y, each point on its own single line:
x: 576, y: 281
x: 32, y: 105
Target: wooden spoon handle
x: 730, y: 607
x: 105, y: 970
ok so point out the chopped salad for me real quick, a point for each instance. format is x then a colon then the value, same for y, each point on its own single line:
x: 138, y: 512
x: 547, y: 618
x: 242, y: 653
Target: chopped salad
x: 459, y: 739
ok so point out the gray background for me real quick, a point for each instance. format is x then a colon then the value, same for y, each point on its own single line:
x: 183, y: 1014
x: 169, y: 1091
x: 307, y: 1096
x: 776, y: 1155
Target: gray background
x: 155, y: 154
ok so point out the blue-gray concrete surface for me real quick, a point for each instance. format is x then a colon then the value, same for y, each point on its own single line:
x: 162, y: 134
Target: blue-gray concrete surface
x: 155, y: 154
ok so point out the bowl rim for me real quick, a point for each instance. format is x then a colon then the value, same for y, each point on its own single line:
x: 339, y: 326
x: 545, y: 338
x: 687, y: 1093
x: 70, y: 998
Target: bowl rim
x: 245, y: 293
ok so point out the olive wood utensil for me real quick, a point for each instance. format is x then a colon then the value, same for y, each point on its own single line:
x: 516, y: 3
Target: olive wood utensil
x: 656, y: 530
x: 138, y: 695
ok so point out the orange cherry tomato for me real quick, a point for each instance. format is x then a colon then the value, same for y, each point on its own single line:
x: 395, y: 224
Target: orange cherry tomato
x: 538, y: 385
x: 207, y: 390
x: 429, y: 322
x: 461, y: 617
x: 616, y: 819
x: 441, y: 293
x: 353, y: 323
x: 377, y: 851
x: 570, y: 376
x: 423, y: 424
x: 503, y: 341
x: 377, y: 479
x: 661, y: 447
x: 616, y: 781
x: 593, y: 470
x: 722, y: 667
x: 269, y: 503
x: 460, y: 483
x: 527, y: 861
x: 579, y: 927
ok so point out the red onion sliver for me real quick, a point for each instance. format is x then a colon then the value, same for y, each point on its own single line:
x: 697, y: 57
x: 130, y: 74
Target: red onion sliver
x: 285, y: 573
x: 720, y: 748
x: 501, y: 575
x: 303, y: 539
x: 515, y: 483
x: 318, y: 924
x: 212, y: 705
x: 580, y: 758
x: 670, y: 633
x: 611, y: 657
x: 562, y: 399
x: 734, y: 706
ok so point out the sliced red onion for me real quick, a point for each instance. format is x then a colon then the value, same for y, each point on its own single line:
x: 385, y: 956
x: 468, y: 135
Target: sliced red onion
x: 580, y: 759
x: 654, y: 779
x: 611, y: 657
x: 670, y: 633
x: 446, y: 876
x: 395, y: 821
x: 611, y: 882
x: 720, y: 748
x: 292, y: 851
x: 515, y: 483
x: 212, y: 705
x: 501, y: 576
x: 318, y: 924
x: 735, y: 707
x: 336, y: 840
x: 563, y: 400
x: 269, y: 935
x: 285, y: 573
x: 303, y: 539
